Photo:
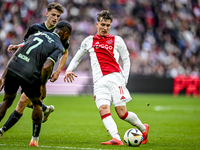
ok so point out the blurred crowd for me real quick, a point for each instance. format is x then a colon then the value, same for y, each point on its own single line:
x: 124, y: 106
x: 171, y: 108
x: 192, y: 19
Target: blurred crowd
x: 162, y: 36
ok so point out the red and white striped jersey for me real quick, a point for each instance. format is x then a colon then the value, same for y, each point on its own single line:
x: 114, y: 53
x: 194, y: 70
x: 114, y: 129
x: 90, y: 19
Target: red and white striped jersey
x: 104, y: 55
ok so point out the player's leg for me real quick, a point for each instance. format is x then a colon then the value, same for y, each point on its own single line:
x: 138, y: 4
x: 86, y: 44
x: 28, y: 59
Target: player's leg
x: 109, y: 124
x: 16, y: 114
x: 6, y: 103
x: 120, y: 106
x: 47, y: 110
x: 103, y: 103
x: 23, y: 102
x: 33, y: 92
x: 121, y: 95
x: 133, y: 119
x: 11, y: 87
x: 130, y: 117
x: 37, y: 120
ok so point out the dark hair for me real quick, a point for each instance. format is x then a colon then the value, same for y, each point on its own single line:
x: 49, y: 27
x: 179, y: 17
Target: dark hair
x: 104, y: 14
x: 56, y: 6
x: 64, y: 25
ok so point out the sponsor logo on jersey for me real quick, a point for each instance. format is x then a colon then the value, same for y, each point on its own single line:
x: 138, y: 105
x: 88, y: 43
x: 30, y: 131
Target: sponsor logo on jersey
x: 104, y: 46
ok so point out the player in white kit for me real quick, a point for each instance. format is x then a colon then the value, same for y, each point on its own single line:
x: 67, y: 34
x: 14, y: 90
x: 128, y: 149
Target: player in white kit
x: 109, y: 78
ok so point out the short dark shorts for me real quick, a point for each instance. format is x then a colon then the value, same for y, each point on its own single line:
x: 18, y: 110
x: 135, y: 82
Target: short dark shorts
x: 14, y: 81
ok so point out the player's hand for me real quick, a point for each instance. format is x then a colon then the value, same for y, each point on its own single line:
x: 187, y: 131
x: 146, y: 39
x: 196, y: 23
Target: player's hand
x: 69, y: 76
x: 54, y: 76
x: 2, y: 83
x: 11, y: 48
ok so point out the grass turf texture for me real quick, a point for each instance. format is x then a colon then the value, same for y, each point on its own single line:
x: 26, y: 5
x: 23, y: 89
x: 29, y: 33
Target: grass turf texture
x: 76, y: 124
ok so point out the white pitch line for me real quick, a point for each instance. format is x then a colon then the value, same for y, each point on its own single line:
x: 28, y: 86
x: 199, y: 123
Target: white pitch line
x: 168, y: 108
x: 57, y: 147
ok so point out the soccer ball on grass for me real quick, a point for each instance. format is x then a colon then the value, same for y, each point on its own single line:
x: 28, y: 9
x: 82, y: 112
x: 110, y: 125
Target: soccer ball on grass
x: 133, y: 137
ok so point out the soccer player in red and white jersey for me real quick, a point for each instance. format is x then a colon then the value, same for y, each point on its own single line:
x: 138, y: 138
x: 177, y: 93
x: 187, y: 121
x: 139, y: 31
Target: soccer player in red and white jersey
x: 109, y: 78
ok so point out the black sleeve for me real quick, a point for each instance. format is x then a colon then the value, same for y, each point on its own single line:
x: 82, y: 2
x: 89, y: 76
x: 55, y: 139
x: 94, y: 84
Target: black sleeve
x: 56, y: 54
x: 29, y: 32
x: 66, y: 45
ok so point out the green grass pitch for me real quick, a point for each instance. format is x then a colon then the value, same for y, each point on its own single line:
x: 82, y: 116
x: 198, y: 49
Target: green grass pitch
x: 76, y: 124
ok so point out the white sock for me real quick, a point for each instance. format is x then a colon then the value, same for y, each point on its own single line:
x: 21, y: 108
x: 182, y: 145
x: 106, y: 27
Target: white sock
x: 111, y: 127
x: 133, y: 119
x: 35, y: 138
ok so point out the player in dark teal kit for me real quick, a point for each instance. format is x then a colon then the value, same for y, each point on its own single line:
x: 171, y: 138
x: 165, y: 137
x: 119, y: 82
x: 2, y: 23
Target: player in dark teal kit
x: 35, y: 28
x: 54, y: 11
x: 32, y: 64
x: 30, y: 68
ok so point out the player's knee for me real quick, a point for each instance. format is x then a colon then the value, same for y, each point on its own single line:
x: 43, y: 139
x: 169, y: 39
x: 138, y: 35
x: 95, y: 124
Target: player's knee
x: 36, y: 117
x: 123, y: 115
x: 37, y: 114
x: 104, y: 109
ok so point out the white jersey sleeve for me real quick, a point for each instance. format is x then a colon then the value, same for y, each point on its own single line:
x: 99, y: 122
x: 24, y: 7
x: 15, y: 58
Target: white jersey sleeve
x: 124, y: 54
x: 79, y: 54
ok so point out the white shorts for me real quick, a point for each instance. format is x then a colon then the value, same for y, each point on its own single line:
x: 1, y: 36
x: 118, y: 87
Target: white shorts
x: 111, y: 89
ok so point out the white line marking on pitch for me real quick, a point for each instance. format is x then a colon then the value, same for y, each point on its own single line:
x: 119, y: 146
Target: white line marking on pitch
x: 57, y: 147
x: 168, y: 108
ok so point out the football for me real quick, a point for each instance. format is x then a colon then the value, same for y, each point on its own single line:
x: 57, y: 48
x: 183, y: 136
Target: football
x: 133, y: 137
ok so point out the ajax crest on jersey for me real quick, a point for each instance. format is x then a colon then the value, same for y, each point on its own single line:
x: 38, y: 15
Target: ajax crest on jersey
x: 133, y: 137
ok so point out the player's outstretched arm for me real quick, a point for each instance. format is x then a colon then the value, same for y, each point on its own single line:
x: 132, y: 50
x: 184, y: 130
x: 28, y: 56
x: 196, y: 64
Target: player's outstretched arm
x: 69, y: 76
x: 43, y: 92
x: 46, y: 71
x: 62, y: 62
